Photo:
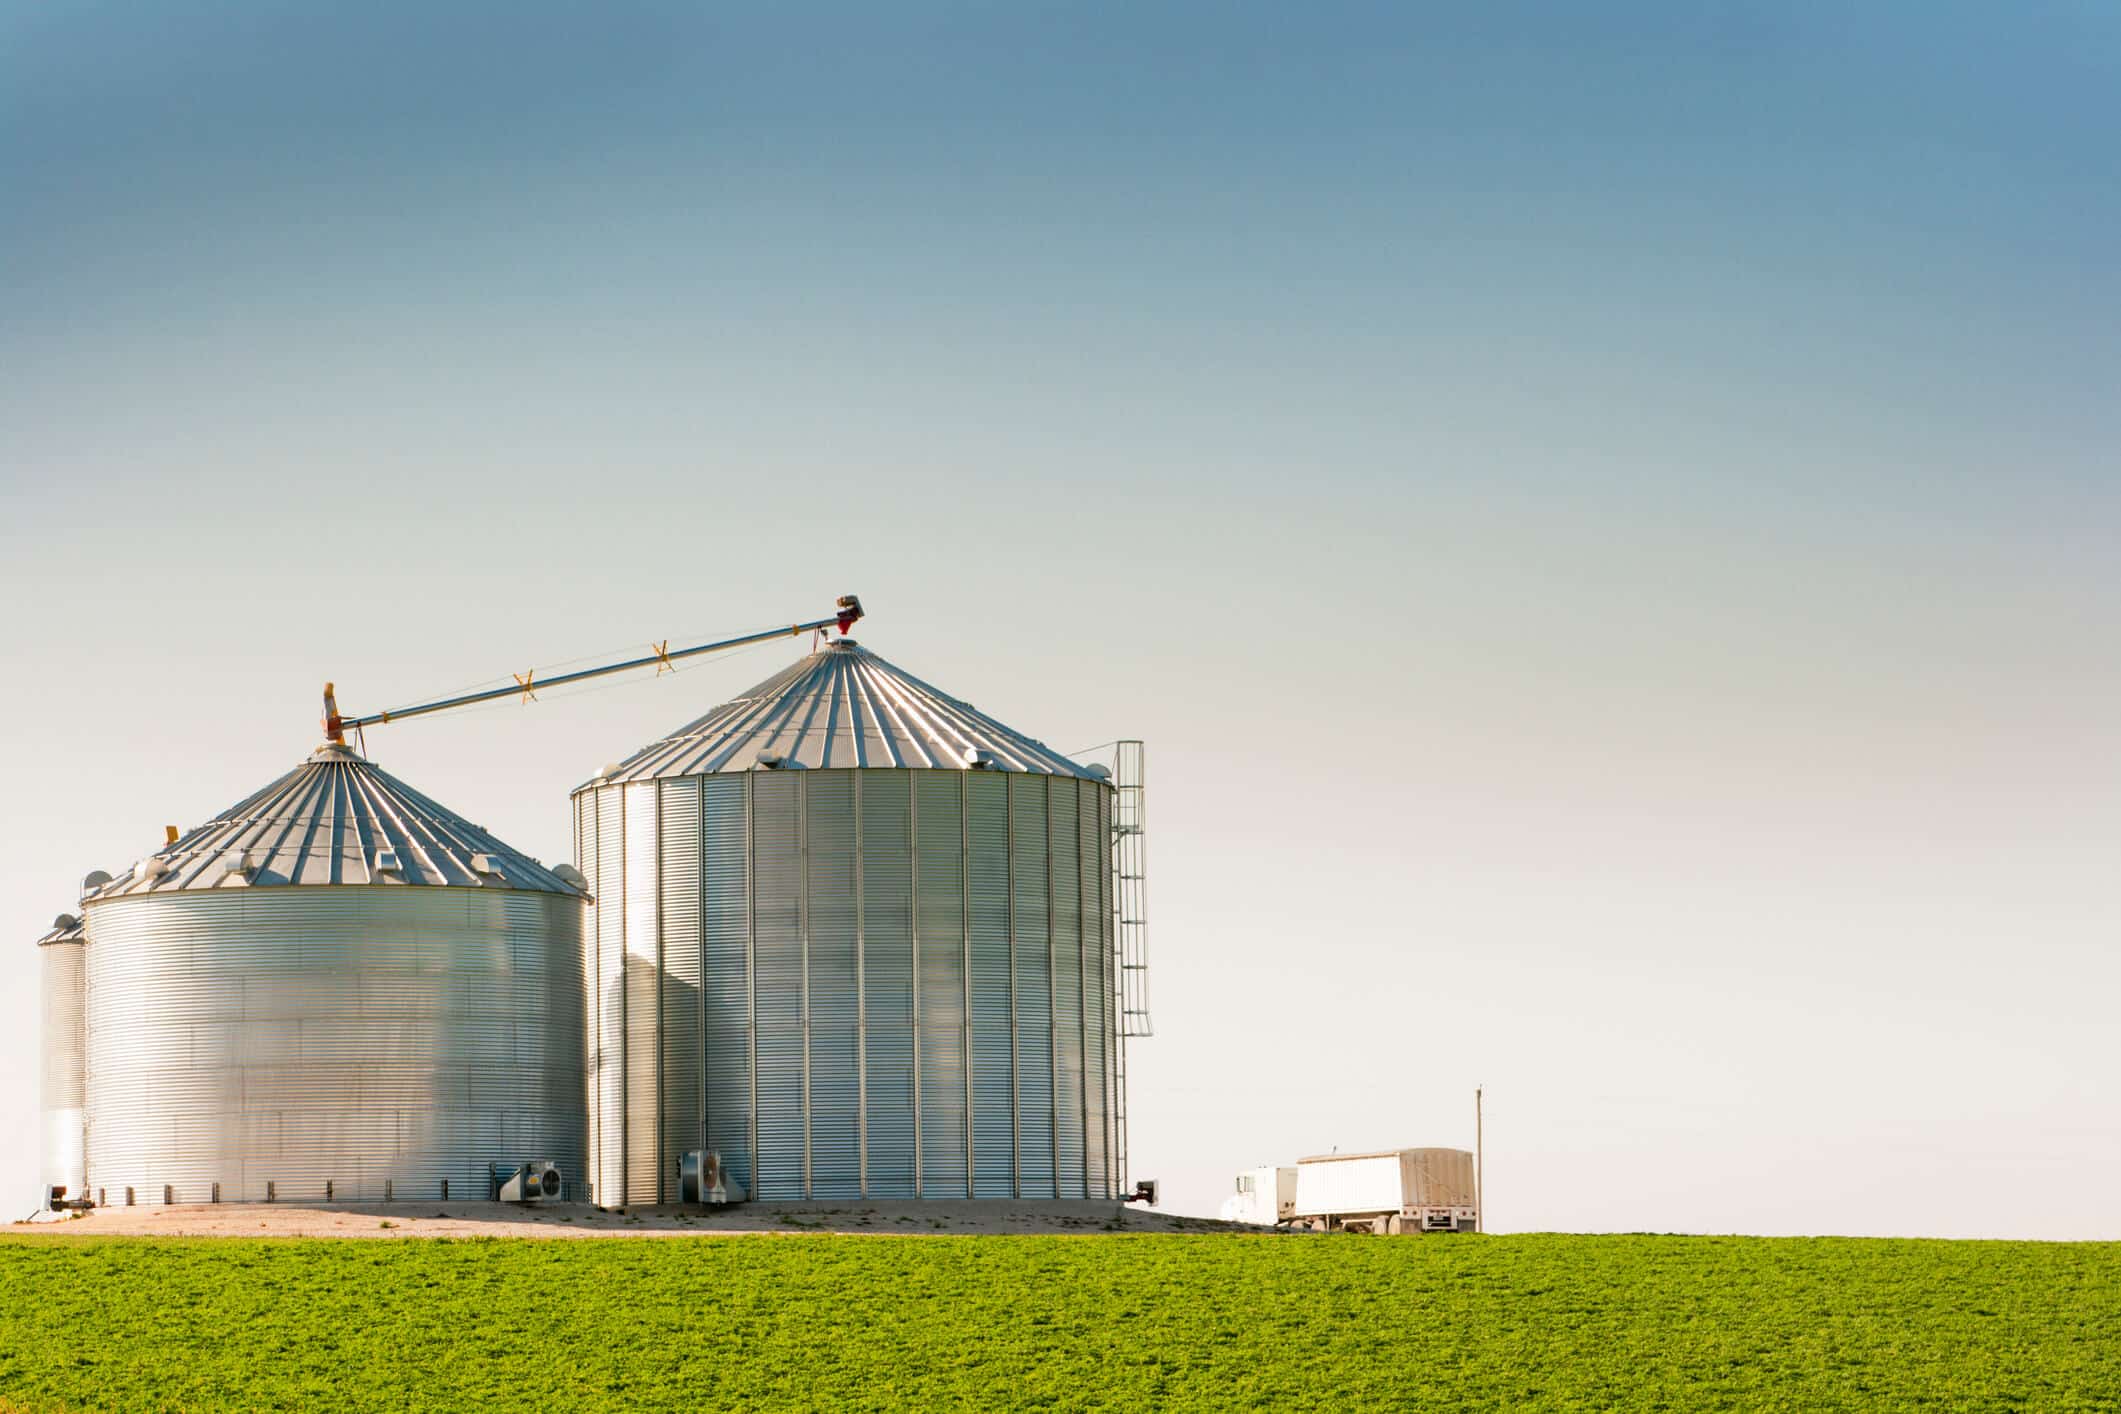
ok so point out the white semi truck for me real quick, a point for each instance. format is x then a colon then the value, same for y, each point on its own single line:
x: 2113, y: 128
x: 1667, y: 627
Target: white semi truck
x: 1399, y: 1190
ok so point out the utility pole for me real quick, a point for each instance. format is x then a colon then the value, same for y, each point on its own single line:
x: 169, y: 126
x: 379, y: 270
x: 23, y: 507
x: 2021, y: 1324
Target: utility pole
x: 1480, y: 1168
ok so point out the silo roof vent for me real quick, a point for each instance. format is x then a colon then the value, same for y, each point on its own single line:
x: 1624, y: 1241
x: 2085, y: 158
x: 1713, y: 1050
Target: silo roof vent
x: 66, y: 928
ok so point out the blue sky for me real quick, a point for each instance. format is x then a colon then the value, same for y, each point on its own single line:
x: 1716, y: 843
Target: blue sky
x: 1611, y: 508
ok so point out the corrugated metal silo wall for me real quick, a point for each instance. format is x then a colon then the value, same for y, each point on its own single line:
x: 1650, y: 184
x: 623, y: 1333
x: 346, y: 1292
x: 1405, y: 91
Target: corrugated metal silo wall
x: 865, y: 983
x: 62, y: 966
x: 353, y: 1035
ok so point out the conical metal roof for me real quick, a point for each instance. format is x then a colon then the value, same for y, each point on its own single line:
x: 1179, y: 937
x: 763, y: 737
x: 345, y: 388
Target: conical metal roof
x: 843, y: 707
x: 336, y: 819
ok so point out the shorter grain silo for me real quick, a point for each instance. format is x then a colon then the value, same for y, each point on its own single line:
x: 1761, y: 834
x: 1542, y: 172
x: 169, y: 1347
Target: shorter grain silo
x: 337, y: 990
x: 60, y: 964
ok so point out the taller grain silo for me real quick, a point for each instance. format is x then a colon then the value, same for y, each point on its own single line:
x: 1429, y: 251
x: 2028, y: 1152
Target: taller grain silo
x: 337, y: 989
x: 60, y: 964
x: 856, y: 936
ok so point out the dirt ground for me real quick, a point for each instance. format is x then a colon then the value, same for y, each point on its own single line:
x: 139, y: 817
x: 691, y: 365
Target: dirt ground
x: 577, y: 1220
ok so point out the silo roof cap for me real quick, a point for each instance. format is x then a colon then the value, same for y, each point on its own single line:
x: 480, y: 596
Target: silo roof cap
x: 842, y: 707
x: 335, y: 819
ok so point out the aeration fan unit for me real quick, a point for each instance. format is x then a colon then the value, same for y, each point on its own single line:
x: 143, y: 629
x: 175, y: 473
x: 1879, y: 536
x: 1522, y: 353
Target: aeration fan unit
x: 538, y: 1181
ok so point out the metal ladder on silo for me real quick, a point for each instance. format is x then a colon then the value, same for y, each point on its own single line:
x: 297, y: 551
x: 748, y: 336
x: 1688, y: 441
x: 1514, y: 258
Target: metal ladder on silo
x: 1130, y: 911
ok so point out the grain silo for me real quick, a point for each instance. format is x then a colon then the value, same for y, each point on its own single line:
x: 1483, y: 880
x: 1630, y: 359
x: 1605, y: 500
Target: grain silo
x: 855, y: 936
x: 337, y: 990
x: 60, y: 963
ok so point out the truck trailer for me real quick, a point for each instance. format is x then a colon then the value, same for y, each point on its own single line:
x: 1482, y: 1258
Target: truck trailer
x: 1263, y: 1197
x: 1398, y: 1190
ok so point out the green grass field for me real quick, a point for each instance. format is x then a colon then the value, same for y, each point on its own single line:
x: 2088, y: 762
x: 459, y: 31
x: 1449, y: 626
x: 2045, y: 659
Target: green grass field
x: 1120, y: 1322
